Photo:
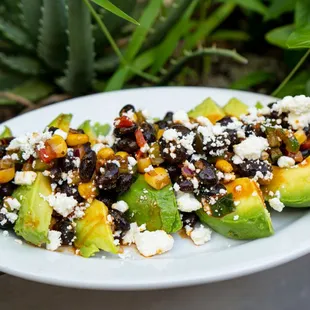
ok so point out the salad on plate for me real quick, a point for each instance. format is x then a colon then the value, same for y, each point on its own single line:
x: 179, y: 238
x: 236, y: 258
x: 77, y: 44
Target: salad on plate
x: 209, y: 169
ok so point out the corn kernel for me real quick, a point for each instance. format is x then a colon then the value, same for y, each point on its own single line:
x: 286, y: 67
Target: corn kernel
x: 58, y: 145
x: 158, y: 180
x: 6, y: 175
x: 105, y: 153
x: 159, y: 134
x: 301, y: 136
x: 87, y: 190
x: 224, y: 166
x: 122, y: 154
x: 74, y: 139
x: 143, y: 163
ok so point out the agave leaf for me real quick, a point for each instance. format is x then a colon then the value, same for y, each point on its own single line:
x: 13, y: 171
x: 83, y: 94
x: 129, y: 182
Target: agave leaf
x: 30, y: 15
x: 15, y: 35
x: 107, y: 5
x: 9, y: 79
x: 23, y: 64
x: 80, y: 70
x: 32, y: 90
x: 53, y: 39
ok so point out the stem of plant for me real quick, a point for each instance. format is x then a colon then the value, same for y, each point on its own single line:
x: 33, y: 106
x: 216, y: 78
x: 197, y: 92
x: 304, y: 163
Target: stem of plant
x: 291, y: 74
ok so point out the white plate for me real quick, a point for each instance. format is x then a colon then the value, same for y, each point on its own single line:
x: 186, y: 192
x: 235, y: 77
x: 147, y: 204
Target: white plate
x: 186, y: 264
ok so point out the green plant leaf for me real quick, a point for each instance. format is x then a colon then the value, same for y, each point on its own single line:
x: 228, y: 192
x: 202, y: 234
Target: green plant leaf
x: 253, y: 5
x: 300, y: 38
x: 211, y: 23
x: 229, y: 35
x: 279, y: 36
x: 279, y: 7
x: 302, y: 13
x: 9, y: 79
x: 80, y: 69
x: 15, y: 34
x: 107, y: 5
x: 53, y: 39
x: 168, y: 46
x: 23, y: 64
x: 101, y: 129
x: 32, y: 90
x: 252, y: 79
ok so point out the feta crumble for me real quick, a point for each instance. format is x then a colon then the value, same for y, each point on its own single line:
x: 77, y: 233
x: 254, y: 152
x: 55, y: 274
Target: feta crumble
x: 200, y: 235
x: 120, y: 206
x: 286, y: 162
x: 61, y: 133
x: 24, y: 177
x: 251, y: 148
x: 54, y: 238
x: 12, y: 203
x: 276, y: 204
x: 187, y: 202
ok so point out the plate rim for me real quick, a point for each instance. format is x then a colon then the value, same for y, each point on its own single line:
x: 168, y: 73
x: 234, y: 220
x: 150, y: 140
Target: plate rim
x: 303, y: 249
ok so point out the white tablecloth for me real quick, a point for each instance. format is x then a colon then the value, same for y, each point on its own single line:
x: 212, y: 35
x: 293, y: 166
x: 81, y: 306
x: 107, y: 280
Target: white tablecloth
x: 283, y: 288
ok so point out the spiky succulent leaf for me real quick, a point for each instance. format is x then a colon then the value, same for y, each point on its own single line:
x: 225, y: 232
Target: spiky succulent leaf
x: 9, y: 79
x: 32, y: 90
x: 15, y: 34
x: 31, y: 12
x: 11, y: 11
x: 23, y: 64
x: 53, y: 38
x: 80, y: 70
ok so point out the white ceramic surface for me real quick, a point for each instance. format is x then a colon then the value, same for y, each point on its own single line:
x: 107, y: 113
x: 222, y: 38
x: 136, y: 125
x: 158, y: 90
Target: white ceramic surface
x: 186, y: 264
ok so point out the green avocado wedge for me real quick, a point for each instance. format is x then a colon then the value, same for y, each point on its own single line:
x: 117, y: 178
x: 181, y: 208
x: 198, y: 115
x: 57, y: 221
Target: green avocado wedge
x: 234, y: 107
x: 155, y: 208
x: 6, y: 133
x: 62, y: 121
x: 35, y: 213
x: 94, y: 232
x: 292, y: 183
x: 208, y: 108
x: 93, y: 131
x: 250, y: 220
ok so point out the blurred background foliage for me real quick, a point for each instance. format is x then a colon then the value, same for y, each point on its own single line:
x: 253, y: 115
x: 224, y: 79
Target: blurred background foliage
x: 54, y: 49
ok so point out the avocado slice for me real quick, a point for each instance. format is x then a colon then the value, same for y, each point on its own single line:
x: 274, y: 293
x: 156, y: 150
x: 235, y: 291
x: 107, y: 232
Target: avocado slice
x: 6, y: 133
x: 93, y: 131
x: 35, y: 213
x: 234, y: 107
x: 208, y: 108
x: 62, y: 121
x: 292, y: 183
x: 250, y: 220
x: 155, y: 208
x: 94, y: 232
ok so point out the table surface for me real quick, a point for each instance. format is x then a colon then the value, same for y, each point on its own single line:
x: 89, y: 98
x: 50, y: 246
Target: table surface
x: 286, y: 287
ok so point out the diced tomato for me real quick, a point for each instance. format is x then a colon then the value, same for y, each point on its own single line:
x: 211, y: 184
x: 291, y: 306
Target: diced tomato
x: 139, y: 154
x: 140, y: 138
x: 123, y: 121
x: 47, y: 154
x: 305, y: 145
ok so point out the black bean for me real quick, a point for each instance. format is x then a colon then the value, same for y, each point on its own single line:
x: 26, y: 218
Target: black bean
x: 148, y: 132
x: 6, y: 141
x: 125, y: 131
x: 162, y: 124
x: 107, y: 197
x: 232, y: 136
x: 66, y: 163
x: 225, y: 121
x: 180, y: 152
x: 108, y: 180
x: 186, y: 186
x: 55, y: 174
x: 87, y: 166
x: 127, y: 108
x: 249, y: 168
x: 124, y: 182
x: 4, y: 222
x: 7, y: 189
x: 70, y: 191
x: 215, y: 190
x: 52, y: 129
x: 189, y: 218
x: 181, y: 128
x: 67, y: 231
x: 208, y: 176
x: 198, y: 143
x: 168, y: 117
x: 127, y: 145
x: 119, y: 221
x: 87, y: 147
x: 174, y: 172
x: 2, y: 151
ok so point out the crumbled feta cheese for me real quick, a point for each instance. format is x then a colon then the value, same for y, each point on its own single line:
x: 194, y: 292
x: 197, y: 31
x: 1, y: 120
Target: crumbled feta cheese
x: 97, y: 147
x: 170, y: 135
x: 237, y: 160
x: 236, y: 203
x: 61, y: 203
x: 130, y: 114
x: 187, y: 202
x: 54, y: 238
x: 276, y: 204
x: 187, y: 142
x: 195, y: 182
x: 148, y: 169
x: 124, y: 255
x: 286, y: 162
x: 176, y: 187
x: 200, y: 235
x: 29, y: 143
x: 5, y: 233
x: 204, y: 121
x: 180, y: 117
x: 25, y: 177
x: 144, y: 148
x: 12, y: 203
x: 228, y: 177
x: 61, y: 133
x: 76, y: 162
x: 15, y: 156
x: 150, y: 243
x: 238, y: 188
x: 251, y: 148
x: 18, y: 241
x: 236, y: 217
x: 121, y: 206
x: 132, y: 161
x: 252, y: 117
